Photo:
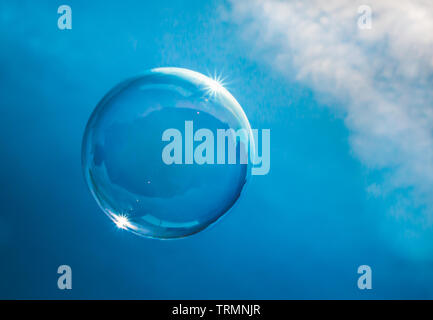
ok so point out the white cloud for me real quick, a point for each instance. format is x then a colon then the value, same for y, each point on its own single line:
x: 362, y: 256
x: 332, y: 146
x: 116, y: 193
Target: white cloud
x: 382, y: 78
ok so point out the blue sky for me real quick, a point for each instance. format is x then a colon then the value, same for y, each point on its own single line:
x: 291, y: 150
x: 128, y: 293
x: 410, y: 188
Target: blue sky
x: 325, y: 208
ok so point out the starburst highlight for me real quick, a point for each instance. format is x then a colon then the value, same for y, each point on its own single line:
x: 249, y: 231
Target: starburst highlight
x: 122, y: 222
x: 215, y: 85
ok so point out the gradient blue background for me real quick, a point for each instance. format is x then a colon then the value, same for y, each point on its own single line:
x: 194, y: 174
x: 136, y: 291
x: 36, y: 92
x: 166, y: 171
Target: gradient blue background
x: 299, y: 232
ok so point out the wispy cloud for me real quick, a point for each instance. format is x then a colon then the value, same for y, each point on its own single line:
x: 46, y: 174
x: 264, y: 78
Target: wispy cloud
x: 381, y: 78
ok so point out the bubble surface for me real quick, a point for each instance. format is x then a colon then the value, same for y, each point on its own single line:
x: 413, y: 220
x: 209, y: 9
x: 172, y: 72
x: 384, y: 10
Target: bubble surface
x: 122, y: 153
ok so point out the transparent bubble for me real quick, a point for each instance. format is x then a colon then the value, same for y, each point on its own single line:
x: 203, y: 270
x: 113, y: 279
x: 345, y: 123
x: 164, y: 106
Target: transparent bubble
x: 122, y: 153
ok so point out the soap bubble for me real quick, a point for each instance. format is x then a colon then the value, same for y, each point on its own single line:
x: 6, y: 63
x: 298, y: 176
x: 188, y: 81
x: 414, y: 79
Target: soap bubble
x: 123, y: 146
